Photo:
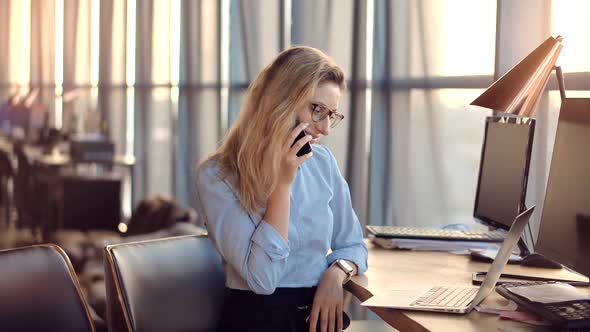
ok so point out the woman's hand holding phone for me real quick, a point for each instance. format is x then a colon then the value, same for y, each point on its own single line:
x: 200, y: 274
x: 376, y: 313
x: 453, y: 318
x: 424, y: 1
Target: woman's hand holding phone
x: 290, y: 159
x: 306, y: 148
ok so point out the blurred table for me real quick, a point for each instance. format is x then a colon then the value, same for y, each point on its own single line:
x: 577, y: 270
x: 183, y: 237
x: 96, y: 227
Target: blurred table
x: 57, y: 174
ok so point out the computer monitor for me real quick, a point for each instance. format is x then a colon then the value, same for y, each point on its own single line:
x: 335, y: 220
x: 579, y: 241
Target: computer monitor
x: 503, y: 170
x: 564, y: 234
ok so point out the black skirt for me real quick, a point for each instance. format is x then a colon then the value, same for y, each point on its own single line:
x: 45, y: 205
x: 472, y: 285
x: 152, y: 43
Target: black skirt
x: 285, y: 310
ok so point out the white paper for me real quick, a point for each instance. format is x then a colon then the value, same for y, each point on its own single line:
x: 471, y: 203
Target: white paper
x: 550, y: 293
x: 434, y: 245
x: 496, y: 308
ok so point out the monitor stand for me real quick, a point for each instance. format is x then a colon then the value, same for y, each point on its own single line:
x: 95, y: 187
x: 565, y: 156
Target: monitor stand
x: 528, y: 258
x: 535, y: 259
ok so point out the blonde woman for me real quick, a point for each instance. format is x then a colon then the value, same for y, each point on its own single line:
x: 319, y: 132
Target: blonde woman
x: 283, y: 221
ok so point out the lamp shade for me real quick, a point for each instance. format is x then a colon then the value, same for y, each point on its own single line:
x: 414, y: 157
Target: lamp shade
x: 518, y: 91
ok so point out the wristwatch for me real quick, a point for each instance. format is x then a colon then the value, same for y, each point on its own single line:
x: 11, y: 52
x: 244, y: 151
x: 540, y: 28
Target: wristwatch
x: 344, y: 266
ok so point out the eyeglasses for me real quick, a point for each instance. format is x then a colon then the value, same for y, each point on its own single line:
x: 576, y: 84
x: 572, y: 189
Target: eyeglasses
x: 319, y: 112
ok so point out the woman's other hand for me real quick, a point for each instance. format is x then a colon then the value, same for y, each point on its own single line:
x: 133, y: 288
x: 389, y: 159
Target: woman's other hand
x: 327, y: 303
x: 289, y: 160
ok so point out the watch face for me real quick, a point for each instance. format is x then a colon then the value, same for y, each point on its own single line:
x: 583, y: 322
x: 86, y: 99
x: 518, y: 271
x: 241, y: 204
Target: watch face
x: 345, y: 266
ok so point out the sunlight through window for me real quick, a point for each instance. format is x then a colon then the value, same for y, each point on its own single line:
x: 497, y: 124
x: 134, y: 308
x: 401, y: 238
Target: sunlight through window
x: 59, y: 61
x: 569, y: 19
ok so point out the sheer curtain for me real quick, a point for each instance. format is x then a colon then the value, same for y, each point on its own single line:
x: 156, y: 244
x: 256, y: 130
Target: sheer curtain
x: 165, y: 78
x: 153, y: 114
x: 42, y: 48
x: 254, y: 40
x: 430, y: 61
x: 5, y: 30
x: 112, y: 87
x: 338, y: 29
x: 198, y: 128
x: 77, y: 67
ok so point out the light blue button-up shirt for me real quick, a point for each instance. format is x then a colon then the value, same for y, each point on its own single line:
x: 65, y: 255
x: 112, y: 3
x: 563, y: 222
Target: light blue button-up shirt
x: 323, y: 227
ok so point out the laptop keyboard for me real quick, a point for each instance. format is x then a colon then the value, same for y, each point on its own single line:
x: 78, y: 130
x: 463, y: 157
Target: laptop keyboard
x: 434, y: 234
x: 446, y: 297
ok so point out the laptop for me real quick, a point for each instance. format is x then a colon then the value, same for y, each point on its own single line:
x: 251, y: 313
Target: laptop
x: 452, y: 299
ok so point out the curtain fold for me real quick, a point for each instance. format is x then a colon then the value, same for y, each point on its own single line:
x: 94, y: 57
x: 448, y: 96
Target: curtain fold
x: 42, y: 72
x: 142, y: 107
x: 5, y: 12
x: 153, y: 136
x: 112, y: 90
x: 337, y: 28
x: 76, y: 68
x: 254, y: 42
x: 197, y: 133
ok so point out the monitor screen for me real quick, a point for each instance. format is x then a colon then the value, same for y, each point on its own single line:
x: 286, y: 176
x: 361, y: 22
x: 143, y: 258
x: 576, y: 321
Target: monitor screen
x: 564, y: 233
x: 503, y: 170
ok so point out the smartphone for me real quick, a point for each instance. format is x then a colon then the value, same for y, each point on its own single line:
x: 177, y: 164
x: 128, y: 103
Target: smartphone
x: 305, y: 149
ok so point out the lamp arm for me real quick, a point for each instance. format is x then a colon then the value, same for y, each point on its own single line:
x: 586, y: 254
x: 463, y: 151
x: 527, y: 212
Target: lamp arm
x: 560, y: 81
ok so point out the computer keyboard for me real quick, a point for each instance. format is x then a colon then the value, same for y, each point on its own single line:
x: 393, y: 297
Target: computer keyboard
x: 434, y: 234
x: 571, y: 314
x: 443, y: 296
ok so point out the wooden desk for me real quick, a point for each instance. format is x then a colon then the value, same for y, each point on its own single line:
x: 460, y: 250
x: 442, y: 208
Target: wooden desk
x: 388, y: 267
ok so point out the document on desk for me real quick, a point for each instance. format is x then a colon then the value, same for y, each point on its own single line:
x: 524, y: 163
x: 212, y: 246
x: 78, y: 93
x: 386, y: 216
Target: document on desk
x: 510, y: 311
x: 496, y: 309
x: 434, y: 245
x: 549, y: 293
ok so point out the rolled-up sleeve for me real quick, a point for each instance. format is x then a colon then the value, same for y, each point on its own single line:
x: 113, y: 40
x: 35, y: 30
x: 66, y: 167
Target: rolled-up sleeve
x: 255, y: 249
x: 271, y: 242
x: 347, y: 236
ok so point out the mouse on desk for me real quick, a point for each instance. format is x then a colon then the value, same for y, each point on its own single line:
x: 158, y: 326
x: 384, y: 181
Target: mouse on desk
x: 538, y: 260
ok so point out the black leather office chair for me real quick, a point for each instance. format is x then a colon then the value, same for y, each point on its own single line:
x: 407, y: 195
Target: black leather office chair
x: 40, y: 292
x: 171, y: 284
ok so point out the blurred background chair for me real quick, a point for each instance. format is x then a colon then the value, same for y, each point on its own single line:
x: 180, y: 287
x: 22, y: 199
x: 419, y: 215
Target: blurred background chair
x: 39, y: 291
x: 172, y: 284
x: 28, y: 194
x: 6, y: 179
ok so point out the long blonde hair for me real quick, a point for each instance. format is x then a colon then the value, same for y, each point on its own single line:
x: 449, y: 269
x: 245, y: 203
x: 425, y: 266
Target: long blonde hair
x: 250, y: 154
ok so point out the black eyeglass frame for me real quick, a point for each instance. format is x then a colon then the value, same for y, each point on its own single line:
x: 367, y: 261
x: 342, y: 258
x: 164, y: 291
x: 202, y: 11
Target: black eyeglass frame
x: 326, y: 112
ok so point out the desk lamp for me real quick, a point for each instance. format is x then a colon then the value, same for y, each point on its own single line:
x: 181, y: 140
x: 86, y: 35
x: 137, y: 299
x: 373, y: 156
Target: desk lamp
x: 518, y: 92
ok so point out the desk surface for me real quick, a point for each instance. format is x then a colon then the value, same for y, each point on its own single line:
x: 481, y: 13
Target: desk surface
x: 388, y: 267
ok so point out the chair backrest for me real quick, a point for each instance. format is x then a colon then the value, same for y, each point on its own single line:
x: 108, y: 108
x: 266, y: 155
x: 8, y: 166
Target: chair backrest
x: 39, y: 291
x: 6, y: 167
x: 171, y: 284
x: 23, y: 179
